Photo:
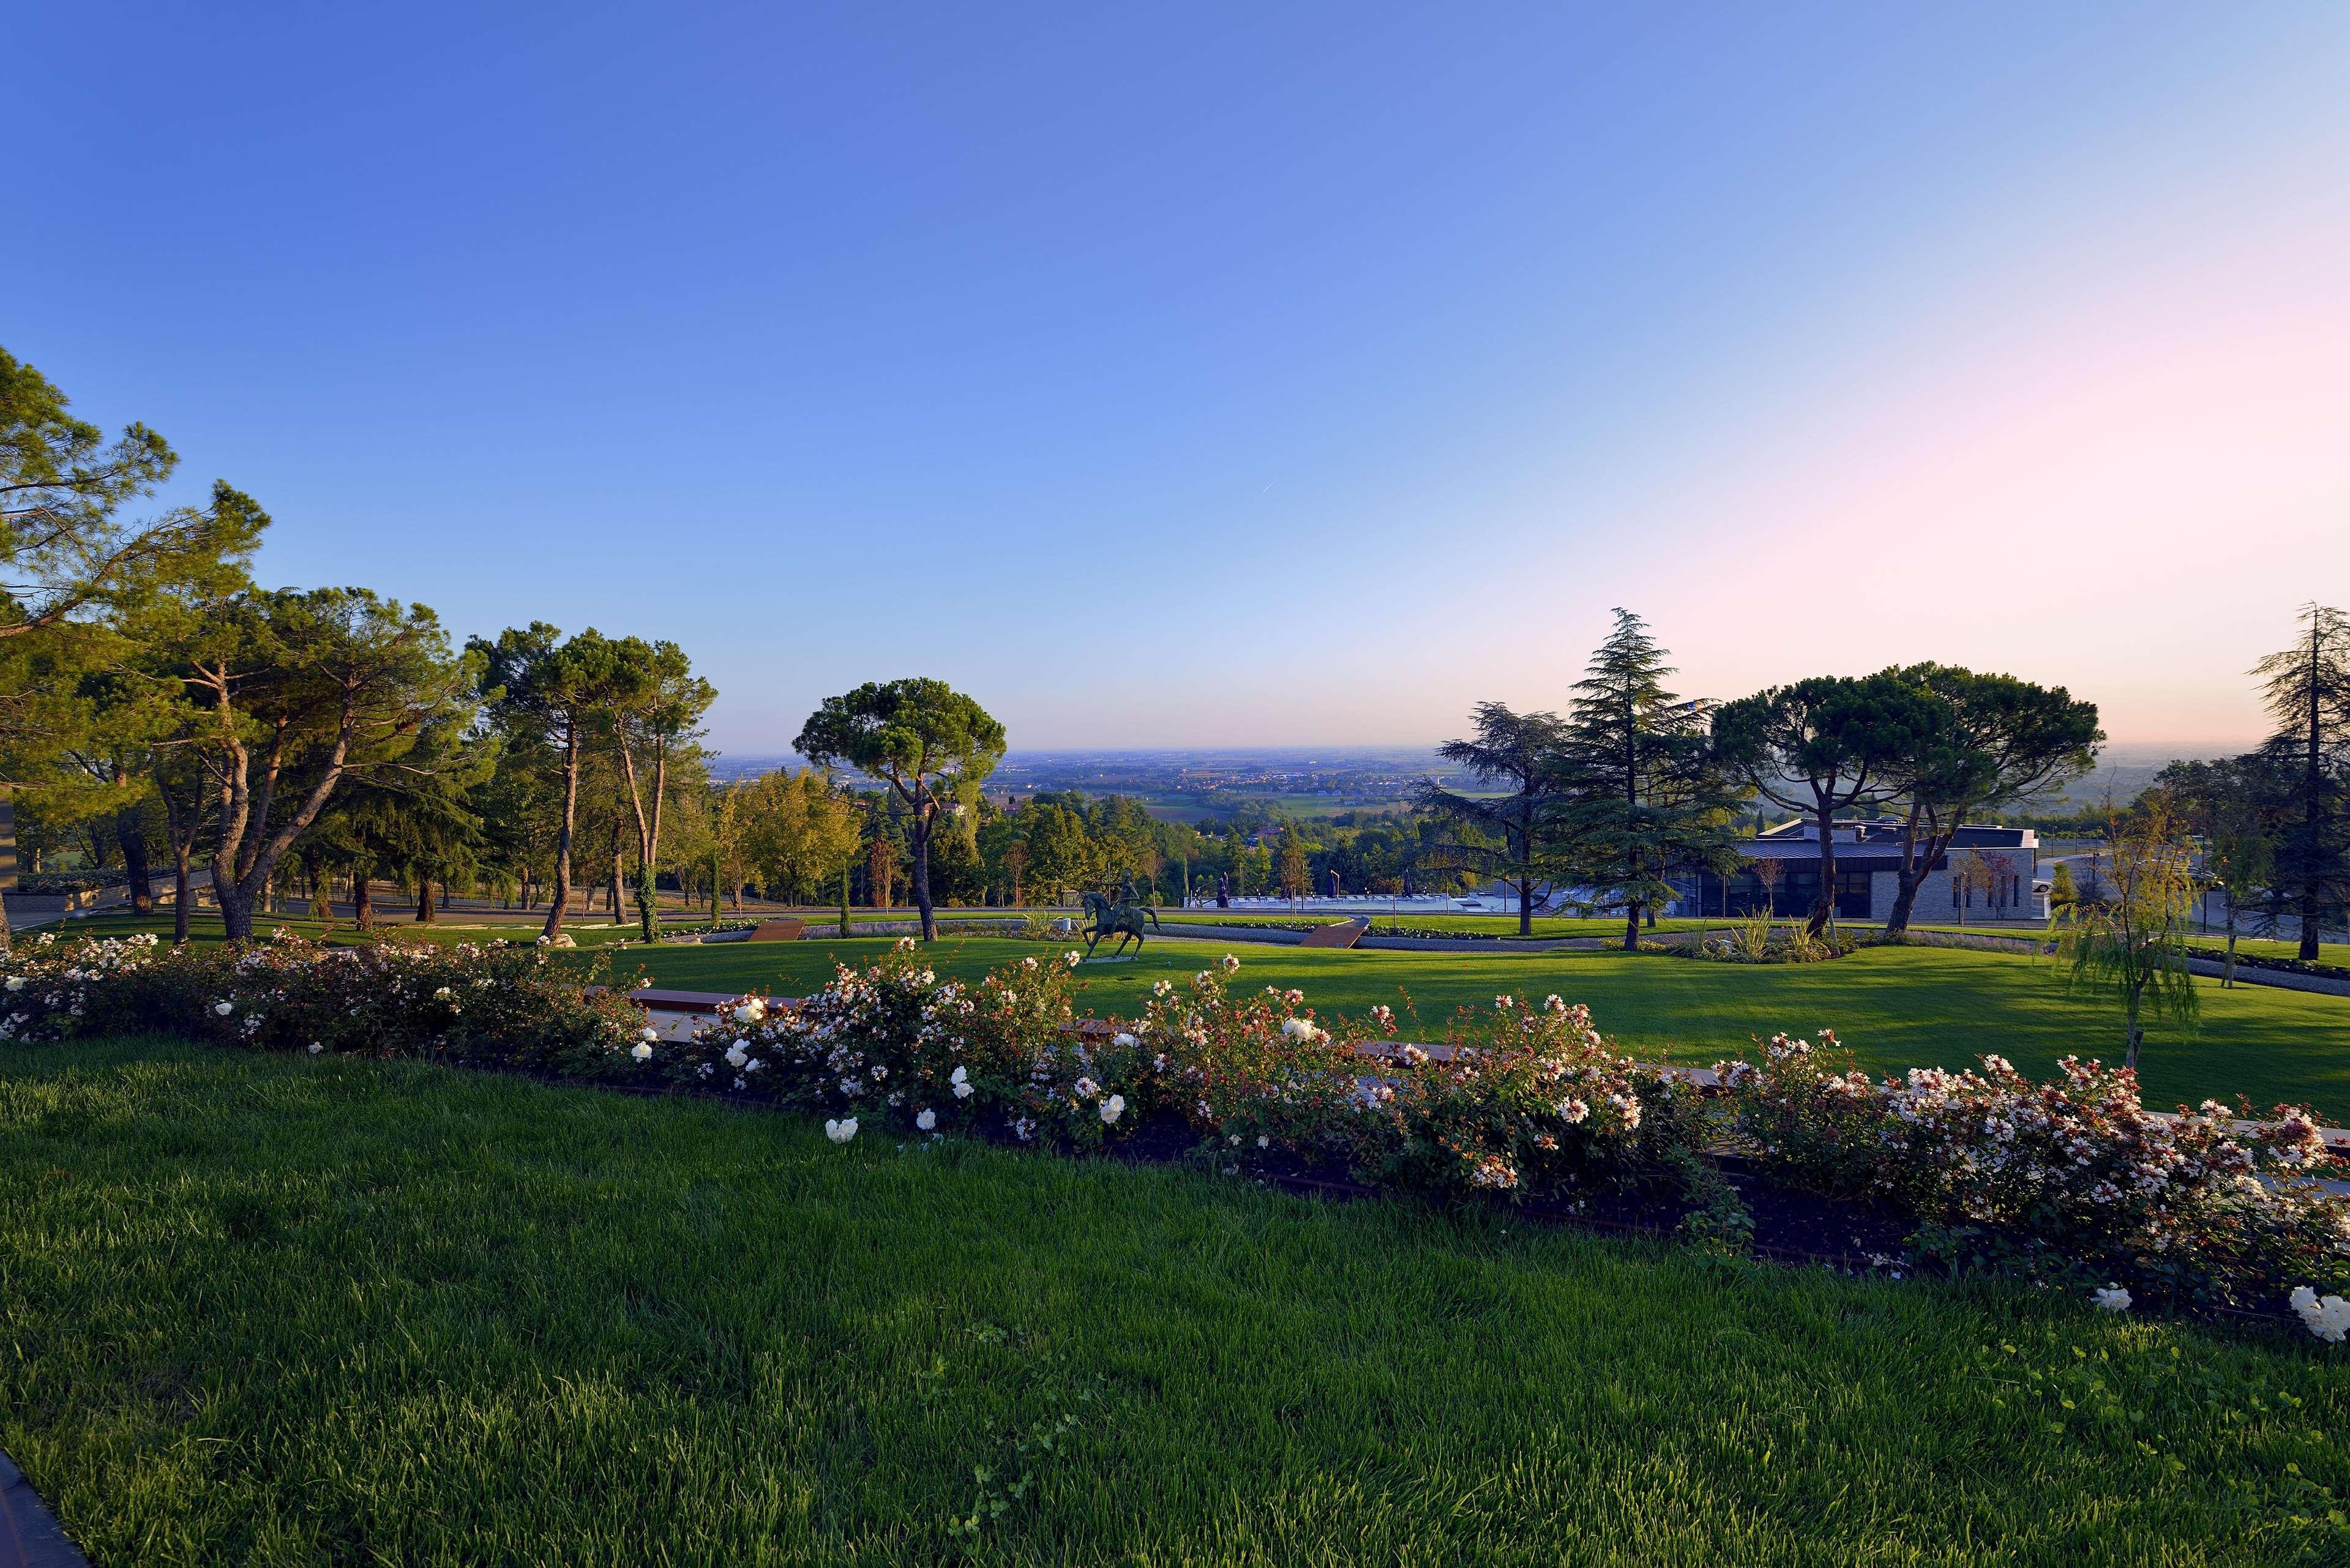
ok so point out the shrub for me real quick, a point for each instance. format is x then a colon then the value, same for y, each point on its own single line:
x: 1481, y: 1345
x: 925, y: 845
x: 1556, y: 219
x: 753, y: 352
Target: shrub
x: 2071, y: 1178
x: 486, y: 1004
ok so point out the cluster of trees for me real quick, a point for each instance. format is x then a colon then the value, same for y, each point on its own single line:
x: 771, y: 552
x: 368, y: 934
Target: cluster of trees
x: 2273, y: 826
x: 1635, y: 785
x: 157, y: 702
x: 151, y: 693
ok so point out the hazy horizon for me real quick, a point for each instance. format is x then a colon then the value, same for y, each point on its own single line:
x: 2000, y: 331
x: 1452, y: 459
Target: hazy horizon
x: 1240, y: 378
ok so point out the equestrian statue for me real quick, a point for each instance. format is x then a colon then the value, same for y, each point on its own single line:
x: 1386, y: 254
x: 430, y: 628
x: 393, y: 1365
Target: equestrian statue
x: 1124, y: 919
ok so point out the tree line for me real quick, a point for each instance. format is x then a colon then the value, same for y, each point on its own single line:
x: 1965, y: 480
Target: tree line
x: 1636, y: 788
x: 156, y: 701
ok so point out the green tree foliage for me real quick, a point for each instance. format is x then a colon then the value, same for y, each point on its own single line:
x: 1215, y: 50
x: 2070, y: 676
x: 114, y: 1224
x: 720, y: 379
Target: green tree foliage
x: 1516, y: 828
x: 299, y: 691
x: 566, y: 697
x: 64, y: 545
x: 661, y: 720
x: 1968, y: 745
x: 2228, y: 804
x: 1641, y: 794
x: 799, y: 833
x: 929, y: 743
x: 2133, y: 944
x: 2306, y: 689
x: 1295, y: 871
x: 1060, y: 853
x: 1820, y: 746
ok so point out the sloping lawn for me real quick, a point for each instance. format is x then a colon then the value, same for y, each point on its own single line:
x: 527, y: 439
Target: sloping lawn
x: 304, y: 1311
x: 1896, y: 1007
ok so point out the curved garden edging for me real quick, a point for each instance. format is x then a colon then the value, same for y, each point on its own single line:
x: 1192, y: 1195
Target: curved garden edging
x: 29, y: 1534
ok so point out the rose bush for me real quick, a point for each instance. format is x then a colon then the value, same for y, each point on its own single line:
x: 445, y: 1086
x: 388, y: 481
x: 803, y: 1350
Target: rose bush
x: 2071, y: 1180
x: 492, y: 1005
x: 2073, y: 1176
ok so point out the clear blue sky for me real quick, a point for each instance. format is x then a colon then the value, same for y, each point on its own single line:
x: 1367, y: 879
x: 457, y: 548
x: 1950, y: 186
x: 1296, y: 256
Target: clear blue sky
x: 1249, y: 374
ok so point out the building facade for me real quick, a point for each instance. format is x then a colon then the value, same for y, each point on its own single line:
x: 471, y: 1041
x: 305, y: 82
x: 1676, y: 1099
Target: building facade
x: 1990, y: 873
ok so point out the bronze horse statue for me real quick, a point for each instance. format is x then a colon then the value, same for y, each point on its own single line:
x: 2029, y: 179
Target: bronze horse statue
x: 1126, y: 920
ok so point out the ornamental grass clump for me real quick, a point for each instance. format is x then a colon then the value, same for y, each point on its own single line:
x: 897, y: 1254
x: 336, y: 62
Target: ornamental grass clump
x: 2071, y: 1178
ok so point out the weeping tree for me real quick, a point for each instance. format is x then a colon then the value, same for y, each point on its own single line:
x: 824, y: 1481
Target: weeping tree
x: 2132, y: 945
x: 1517, y: 829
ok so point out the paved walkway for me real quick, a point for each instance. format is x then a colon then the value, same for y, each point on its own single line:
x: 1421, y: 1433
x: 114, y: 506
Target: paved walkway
x: 30, y: 1536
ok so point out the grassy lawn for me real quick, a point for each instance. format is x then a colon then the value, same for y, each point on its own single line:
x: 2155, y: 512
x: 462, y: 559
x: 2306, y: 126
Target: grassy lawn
x: 2260, y: 947
x: 299, y: 1311
x: 1896, y: 1007
x: 205, y: 928
x: 1492, y: 925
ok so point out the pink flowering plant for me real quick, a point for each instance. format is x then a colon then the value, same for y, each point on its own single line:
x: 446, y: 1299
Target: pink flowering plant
x: 2072, y: 1176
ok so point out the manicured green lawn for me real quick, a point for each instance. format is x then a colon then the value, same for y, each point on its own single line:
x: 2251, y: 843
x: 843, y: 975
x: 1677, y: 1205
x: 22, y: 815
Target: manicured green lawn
x: 1896, y: 1007
x: 1490, y: 925
x: 2262, y: 947
x: 205, y: 928
x: 272, y: 1310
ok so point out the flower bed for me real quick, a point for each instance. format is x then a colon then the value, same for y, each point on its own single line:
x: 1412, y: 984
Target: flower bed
x: 2071, y: 1182
x: 492, y: 1005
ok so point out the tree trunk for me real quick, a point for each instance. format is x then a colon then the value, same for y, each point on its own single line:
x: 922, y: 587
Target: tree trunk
x: 1904, y: 899
x: 923, y: 877
x: 561, y: 900
x: 616, y: 879
x: 2227, y: 970
x: 1631, y: 927
x: 2313, y: 860
x: 132, y: 838
x: 362, y: 905
x: 1824, y: 907
x: 2129, y: 1056
x: 423, y: 899
x: 183, y: 891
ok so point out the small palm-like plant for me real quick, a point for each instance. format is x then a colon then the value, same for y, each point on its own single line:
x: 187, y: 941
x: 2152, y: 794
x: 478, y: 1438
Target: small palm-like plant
x: 2133, y: 944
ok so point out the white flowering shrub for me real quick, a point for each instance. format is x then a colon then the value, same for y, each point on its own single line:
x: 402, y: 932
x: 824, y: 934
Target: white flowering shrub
x: 494, y: 1006
x: 1524, y: 1099
x: 2071, y: 1176
x: 893, y: 1039
x: 1254, y: 1069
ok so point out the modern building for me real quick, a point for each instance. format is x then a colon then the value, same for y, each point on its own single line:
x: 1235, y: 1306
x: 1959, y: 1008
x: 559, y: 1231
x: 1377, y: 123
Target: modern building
x: 1987, y: 874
